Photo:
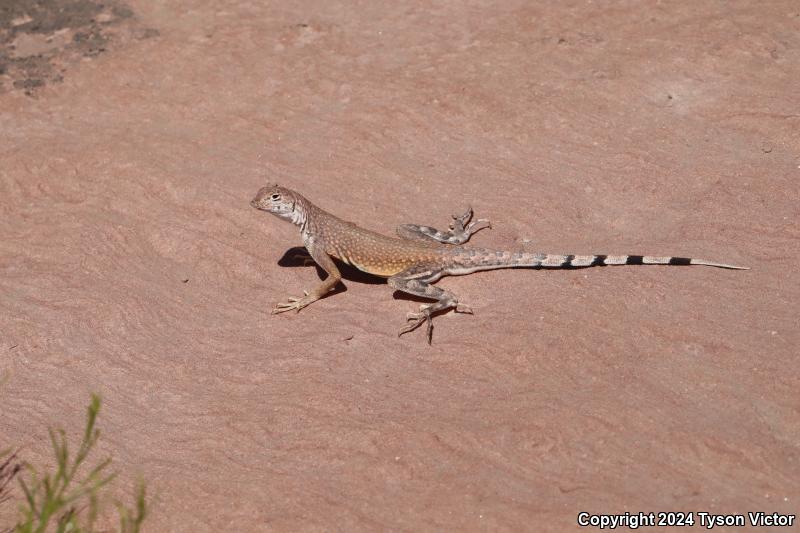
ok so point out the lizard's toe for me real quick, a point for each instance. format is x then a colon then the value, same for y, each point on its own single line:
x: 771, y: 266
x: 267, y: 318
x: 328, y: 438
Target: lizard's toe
x: 478, y: 225
x: 415, y: 316
x: 282, y: 308
x: 415, y: 320
x: 464, y: 308
x: 291, y: 303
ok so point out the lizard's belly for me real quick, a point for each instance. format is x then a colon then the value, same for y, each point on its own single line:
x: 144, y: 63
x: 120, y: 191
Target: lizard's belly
x: 384, y: 270
x: 382, y: 258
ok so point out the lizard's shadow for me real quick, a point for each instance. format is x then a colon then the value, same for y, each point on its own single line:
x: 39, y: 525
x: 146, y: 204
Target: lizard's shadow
x: 298, y: 257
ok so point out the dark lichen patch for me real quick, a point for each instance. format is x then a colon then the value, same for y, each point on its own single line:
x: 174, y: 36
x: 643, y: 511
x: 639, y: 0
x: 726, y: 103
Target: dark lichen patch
x: 46, y: 16
x: 41, y: 39
x: 28, y: 74
x: 122, y: 11
x: 148, y: 33
x: 92, y: 42
x: 28, y: 84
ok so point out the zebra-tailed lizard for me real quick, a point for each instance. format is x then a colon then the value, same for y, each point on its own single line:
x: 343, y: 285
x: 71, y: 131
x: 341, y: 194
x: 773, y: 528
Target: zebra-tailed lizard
x: 418, y: 257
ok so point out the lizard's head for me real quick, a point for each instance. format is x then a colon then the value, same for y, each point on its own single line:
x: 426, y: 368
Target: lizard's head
x: 281, y: 202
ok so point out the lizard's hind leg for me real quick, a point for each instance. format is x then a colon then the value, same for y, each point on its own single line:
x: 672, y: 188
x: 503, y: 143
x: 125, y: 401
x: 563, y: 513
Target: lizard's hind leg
x: 461, y: 229
x: 421, y: 286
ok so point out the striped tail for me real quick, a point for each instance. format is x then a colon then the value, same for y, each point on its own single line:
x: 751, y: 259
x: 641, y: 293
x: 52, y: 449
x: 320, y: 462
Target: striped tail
x: 567, y: 261
x: 552, y: 260
x: 482, y: 259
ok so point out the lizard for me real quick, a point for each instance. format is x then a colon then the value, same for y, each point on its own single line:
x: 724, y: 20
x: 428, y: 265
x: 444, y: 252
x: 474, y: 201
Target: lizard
x: 418, y: 256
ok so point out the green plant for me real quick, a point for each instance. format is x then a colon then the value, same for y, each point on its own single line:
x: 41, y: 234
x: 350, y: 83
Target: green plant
x: 8, y: 469
x: 67, y: 501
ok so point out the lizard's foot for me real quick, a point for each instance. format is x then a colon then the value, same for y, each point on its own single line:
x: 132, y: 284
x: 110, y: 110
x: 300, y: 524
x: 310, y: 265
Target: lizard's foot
x: 461, y: 224
x: 292, y: 303
x: 459, y: 221
x: 461, y: 229
x: 409, y: 281
x: 415, y: 320
x: 458, y: 307
x: 426, y: 312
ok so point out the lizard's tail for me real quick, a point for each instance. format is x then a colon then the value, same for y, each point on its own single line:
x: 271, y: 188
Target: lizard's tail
x: 487, y: 259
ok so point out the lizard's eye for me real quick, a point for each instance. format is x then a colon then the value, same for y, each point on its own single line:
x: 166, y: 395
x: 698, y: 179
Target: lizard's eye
x: 275, y: 197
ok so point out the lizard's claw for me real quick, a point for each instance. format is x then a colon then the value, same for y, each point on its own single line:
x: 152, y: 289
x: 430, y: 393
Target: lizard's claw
x: 464, y: 308
x: 292, y: 303
x: 415, y: 320
x: 478, y: 225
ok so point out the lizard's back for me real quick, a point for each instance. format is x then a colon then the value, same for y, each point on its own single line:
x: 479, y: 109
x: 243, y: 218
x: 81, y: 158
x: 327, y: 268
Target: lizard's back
x: 370, y: 251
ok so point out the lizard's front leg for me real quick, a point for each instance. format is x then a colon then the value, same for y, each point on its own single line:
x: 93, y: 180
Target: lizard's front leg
x: 318, y: 254
x: 407, y: 282
x: 461, y: 229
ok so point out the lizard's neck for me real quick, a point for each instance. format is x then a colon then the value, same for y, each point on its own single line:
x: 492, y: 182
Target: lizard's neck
x: 298, y: 215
